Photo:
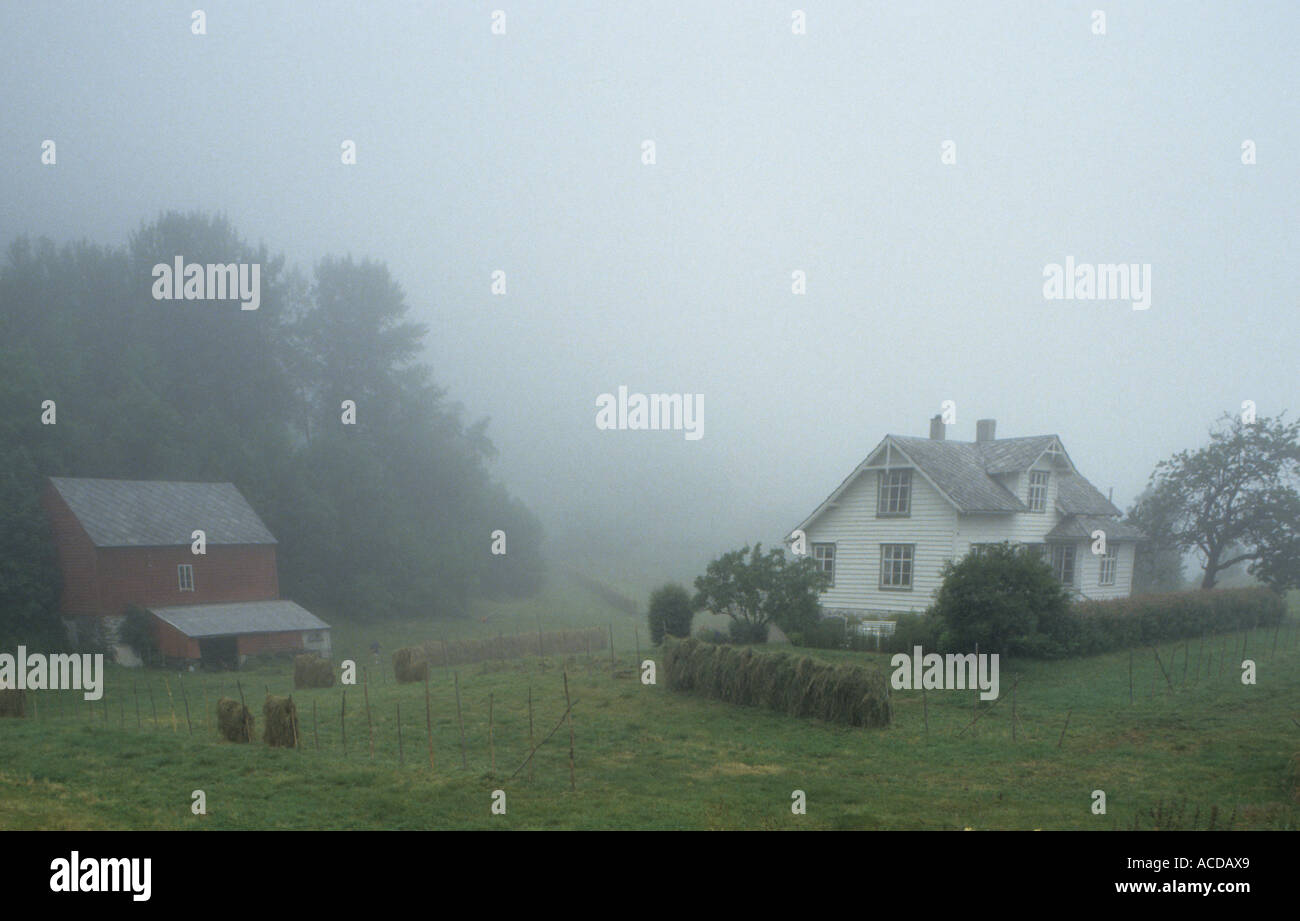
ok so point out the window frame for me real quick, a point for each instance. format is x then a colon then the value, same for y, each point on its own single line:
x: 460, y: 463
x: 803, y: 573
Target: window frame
x: 906, y: 564
x: 183, y: 570
x: 1041, y: 508
x: 825, y: 545
x: 1111, y: 557
x: 900, y: 493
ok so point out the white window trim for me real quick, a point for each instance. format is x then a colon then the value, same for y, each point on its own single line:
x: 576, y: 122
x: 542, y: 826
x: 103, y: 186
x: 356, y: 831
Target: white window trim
x: 906, y: 564
x: 834, y: 554
x: 183, y: 569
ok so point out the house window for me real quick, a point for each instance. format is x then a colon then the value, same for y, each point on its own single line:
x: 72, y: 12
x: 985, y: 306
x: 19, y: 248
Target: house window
x: 1109, y: 563
x: 980, y: 549
x: 824, y: 554
x: 185, y: 576
x: 1060, y: 557
x: 895, y: 494
x: 896, y: 566
x: 1038, y: 490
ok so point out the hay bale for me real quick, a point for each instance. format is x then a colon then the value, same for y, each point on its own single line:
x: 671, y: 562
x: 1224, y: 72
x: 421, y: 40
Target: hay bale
x: 311, y: 671
x: 796, y: 685
x: 410, y: 663
x: 13, y: 702
x: 281, y: 722
x: 234, y: 722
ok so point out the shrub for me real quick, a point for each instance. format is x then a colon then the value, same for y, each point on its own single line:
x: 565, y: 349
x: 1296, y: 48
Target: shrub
x: 748, y: 631
x: 997, y: 599
x: 670, y: 612
x: 795, y: 685
x: 137, y: 631
x: 912, y: 630
x: 13, y: 702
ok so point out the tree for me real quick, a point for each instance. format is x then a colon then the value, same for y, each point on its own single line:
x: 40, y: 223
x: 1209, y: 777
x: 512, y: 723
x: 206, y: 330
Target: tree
x: 1235, y: 500
x: 1158, y: 561
x: 1005, y: 599
x: 670, y: 612
x: 756, y: 589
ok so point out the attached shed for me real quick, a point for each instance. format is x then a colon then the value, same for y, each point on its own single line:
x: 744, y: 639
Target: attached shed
x: 226, y: 634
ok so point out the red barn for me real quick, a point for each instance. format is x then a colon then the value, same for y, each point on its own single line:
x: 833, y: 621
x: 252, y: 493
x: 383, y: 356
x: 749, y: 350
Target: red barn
x: 124, y: 542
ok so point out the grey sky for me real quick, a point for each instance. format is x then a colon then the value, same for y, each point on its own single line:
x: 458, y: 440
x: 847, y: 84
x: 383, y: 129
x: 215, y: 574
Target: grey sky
x: 775, y: 152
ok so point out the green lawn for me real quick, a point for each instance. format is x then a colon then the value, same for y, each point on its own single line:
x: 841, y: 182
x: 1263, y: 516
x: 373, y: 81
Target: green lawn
x: 650, y: 758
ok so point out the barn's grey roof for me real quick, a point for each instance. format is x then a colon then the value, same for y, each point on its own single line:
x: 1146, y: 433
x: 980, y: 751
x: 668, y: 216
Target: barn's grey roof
x: 202, y: 620
x: 157, y: 513
x: 1080, y: 527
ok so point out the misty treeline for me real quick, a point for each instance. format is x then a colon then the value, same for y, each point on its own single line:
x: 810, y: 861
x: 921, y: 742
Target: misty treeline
x: 389, y: 517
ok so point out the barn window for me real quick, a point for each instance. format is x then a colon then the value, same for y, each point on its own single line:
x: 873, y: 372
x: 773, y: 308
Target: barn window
x: 185, y: 576
x: 824, y: 554
x: 896, y: 566
x: 1038, y: 490
x: 895, y: 494
x: 1109, y: 563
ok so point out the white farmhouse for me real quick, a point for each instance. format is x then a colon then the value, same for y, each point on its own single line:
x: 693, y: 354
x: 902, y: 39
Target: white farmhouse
x: 914, y: 503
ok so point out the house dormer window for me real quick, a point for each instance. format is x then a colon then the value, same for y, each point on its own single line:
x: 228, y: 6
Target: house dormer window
x: 185, y: 577
x: 1038, y: 490
x: 895, y: 494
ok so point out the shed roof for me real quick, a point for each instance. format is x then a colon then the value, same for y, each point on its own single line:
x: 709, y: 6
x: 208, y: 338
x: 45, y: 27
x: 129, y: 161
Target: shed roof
x: 232, y: 619
x: 160, y: 513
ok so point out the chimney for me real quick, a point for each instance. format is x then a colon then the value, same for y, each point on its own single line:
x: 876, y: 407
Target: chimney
x: 985, y: 429
x: 936, y: 428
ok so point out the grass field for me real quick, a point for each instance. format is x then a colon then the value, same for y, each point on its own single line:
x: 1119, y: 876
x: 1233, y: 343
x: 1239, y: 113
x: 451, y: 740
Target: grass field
x: 650, y: 758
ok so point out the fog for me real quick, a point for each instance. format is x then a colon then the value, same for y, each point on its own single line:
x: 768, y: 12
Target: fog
x: 774, y: 153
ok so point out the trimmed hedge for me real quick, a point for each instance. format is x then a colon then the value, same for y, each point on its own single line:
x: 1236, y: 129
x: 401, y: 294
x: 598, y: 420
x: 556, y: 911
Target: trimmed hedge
x: 795, y: 685
x: 1093, y: 627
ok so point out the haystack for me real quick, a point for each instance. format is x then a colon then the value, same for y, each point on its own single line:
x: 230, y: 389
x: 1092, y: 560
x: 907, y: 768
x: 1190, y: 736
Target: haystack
x: 281, y: 722
x: 13, y: 702
x: 311, y: 671
x: 410, y: 663
x: 234, y: 722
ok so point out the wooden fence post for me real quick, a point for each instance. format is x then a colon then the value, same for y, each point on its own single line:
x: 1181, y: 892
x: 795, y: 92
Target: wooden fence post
x: 573, y: 784
x: 461, y: 720
x: 370, y: 729
x: 1065, y: 727
x: 532, y: 749
x: 428, y: 716
x: 186, y: 697
x: 153, y: 706
x: 243, y: 714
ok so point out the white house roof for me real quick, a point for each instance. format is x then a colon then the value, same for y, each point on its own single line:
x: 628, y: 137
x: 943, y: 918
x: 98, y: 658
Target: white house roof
x: 203, y: 620
x: 160, y: 513
x: 965, y: 473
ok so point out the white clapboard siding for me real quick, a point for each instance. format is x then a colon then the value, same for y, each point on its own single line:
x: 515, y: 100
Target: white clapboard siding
x: 851, y: 524
x: 1087, y: 567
